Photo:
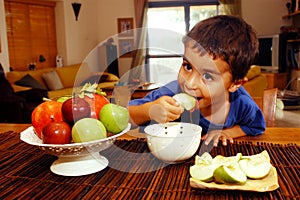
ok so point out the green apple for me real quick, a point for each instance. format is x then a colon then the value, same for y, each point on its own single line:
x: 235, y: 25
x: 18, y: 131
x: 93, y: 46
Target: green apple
x: 231, y: 174
x: 115, y: 118
x: 256, y: 166
x: 222, y: 160
x: 254, y: 169
x: 63, y: 98
x: 203, y: 172
x: 205, y: 158
x: 88, y: 129
x: 186, y: 101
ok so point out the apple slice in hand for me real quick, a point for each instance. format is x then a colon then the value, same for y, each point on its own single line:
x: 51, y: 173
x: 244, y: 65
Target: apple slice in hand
x: 186, y: 101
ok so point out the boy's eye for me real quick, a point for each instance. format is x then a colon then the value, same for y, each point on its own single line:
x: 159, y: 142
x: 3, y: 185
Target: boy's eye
x: 207, y: 76
x: 187, y: 66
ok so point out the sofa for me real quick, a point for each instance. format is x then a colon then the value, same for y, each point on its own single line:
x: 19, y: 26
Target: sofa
x: 16, y: 107
x: 257, y: 82
x: 60, y: 81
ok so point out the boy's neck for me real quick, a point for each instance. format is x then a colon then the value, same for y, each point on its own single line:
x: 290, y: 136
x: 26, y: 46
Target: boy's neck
x: 216, y: 114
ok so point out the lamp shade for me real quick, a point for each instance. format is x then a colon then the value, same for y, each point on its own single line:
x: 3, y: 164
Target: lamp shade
x: 76, y: 9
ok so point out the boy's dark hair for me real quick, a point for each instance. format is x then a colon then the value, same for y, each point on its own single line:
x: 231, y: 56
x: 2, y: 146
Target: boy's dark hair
x: 229, y: 38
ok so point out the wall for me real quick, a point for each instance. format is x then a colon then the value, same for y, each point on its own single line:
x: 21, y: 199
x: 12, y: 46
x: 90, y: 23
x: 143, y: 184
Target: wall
x: 98, y: 21
x: 265, y: 15
x: 76, y: 38
x: 4, y: 59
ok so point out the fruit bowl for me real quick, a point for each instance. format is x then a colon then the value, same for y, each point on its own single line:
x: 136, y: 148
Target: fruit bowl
x: 74, y: 159
x: 173, y: 142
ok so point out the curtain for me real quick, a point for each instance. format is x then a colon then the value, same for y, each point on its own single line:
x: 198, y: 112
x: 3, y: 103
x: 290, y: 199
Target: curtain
x: 137, y: 71
x: 230, y: 7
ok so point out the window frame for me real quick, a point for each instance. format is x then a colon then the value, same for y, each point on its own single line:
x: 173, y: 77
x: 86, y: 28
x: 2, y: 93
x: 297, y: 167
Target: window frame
x: 186, y: 4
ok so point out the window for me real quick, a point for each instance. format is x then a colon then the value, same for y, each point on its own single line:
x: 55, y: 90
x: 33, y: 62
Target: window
x: 31, y: 33
x: 167, y: 24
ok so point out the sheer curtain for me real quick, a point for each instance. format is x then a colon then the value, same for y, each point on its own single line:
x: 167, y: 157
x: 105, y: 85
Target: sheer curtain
x: 137, y: 71
x: 230, y: 7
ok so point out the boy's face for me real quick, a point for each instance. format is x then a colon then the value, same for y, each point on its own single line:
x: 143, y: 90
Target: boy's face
x: 210, y: 81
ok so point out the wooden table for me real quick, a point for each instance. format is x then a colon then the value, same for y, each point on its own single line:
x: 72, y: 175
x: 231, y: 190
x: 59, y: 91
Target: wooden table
x: 134, y: 173
x: 274, y: 135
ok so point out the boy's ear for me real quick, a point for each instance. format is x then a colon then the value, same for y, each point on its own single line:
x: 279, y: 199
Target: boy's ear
x: 237, y: 84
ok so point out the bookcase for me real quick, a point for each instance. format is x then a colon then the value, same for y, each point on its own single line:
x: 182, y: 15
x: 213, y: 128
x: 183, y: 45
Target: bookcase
x: 293, y: 75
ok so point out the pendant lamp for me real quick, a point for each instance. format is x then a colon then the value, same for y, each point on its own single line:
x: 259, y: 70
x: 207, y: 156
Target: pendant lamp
x: 76, y: 9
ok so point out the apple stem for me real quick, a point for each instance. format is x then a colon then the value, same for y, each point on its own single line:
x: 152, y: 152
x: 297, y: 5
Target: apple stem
x: 52, y: 118
x: 74, y: 99
x: 46, y: 99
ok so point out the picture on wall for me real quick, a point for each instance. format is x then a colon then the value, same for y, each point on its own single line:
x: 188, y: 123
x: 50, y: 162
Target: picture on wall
x: 126, y: 46
x: 125, y: 26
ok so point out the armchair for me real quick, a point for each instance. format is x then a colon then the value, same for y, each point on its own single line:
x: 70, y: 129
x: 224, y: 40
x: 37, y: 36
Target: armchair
x: 16, y: 107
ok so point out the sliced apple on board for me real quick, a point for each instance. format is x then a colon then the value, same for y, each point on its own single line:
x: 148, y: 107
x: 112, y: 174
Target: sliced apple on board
x: 231, y: 170
x: 257, y: 166
x: 230, y: 174
x: 203, y: 172
x: 203, y: 169
x: 186, y: 101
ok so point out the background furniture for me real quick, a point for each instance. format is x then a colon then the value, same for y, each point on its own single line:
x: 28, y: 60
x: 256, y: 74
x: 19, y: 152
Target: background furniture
x: 16, y: 107
x: 276, y: 80
x: 295, y: 78
x: 71, y: 77
x: 267, y: 104
x: 256, y: 83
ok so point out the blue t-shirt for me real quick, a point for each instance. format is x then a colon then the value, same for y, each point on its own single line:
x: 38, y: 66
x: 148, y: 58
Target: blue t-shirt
x: 243, y: 111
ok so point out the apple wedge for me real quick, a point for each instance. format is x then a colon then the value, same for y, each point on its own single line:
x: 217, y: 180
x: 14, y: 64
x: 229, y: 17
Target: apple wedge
x: 230, y: 174
x: 186, y: 101
x: 203, y: 172
x: 256, y: 166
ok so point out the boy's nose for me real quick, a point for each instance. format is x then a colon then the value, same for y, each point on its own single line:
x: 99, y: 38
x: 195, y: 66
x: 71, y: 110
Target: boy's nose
x: 194, y: 82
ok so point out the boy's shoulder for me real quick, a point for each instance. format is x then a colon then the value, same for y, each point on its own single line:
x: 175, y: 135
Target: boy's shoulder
x: 241, y: 97
x: 171, y: 88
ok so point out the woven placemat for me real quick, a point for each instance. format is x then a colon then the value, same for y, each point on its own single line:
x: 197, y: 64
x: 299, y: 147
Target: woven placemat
x: 133, y: 173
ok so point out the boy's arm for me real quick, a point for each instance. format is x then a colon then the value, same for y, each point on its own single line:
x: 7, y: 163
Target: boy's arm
x: 139, y: 114
x: 163, y: 109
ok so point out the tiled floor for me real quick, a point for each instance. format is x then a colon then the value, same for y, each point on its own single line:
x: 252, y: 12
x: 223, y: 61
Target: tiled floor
x: 288, y: 118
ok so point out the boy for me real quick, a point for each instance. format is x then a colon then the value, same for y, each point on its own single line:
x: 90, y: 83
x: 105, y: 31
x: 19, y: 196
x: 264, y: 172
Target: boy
x: 218, y: 54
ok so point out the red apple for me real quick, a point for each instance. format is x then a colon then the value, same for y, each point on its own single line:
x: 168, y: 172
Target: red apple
x: 45, y: 113
x: 57, y: 133
x: 74, y: 109
x: 97, y: 101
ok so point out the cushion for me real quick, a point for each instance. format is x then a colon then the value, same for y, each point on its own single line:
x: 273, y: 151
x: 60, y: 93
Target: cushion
x: 95, y: 79
x: 52, y: 80
x: 253, y: 72
x: 111, y: 77
x: 29, y: 81
x: 68, y: 75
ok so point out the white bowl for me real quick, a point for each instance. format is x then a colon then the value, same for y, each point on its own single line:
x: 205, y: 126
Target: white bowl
x: 173, y: 142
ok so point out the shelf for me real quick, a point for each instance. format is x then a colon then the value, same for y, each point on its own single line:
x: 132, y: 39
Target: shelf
x: 294, y: 41
x: 291, y: 14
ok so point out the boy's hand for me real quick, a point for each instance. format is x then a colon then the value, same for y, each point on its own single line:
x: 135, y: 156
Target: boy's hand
x: 215, y: 136
x: 165, y: 109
